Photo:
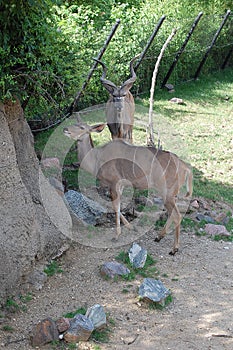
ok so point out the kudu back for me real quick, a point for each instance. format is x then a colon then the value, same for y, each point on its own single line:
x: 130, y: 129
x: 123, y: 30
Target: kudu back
x: 120, y: 106
x: 118, y: 163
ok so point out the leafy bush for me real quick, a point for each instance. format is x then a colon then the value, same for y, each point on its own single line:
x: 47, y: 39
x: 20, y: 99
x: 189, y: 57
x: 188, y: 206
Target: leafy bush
x: 47, y: 47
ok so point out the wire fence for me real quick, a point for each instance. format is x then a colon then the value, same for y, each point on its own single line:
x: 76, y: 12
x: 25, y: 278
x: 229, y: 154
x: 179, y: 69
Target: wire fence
x: 197, y: 50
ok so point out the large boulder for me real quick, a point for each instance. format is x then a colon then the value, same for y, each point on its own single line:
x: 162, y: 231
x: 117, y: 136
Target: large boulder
x: 34, y: 221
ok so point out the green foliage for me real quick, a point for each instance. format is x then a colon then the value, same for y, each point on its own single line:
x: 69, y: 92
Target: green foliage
x: 147, y: 271
x: 53, y: 268
x: 12, y: 306
x: 160, y: 306
x: 7, y: 328
x: 47, y: 47
x: 71, y: 314
x: 102, y: 335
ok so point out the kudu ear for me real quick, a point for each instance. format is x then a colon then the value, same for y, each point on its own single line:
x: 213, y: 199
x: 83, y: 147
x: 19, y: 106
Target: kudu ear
x: 97, y: 127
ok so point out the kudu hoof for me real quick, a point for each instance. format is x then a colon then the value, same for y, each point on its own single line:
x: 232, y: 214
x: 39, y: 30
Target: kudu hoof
x: 157, y: 239
x: 173, y: 252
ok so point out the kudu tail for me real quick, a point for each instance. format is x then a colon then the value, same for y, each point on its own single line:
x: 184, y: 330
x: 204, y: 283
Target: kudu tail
x: 189, y: 183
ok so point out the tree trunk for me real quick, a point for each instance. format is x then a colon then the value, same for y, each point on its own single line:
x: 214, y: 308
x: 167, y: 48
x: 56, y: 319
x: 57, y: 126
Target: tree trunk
x: 34, y: 221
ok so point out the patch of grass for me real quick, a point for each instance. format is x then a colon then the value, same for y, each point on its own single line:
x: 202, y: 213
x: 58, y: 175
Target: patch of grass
x: 71, y: 314
x: 7, y: 328
x: 175, y: 279
x: 12, y: 306
x: 188, y: 223
x: 147, y: 271
x: 97, y: 347
x: 160, y: 306
x: 26, y: 298
x: 160, y: 223
x: 53, y: 268
x: 102, y: 335
x: 223, y: 238
x: 229, y: 224
x: 72, y: 346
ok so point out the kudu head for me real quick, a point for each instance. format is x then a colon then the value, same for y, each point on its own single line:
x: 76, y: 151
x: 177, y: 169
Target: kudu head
x: 120, y: 106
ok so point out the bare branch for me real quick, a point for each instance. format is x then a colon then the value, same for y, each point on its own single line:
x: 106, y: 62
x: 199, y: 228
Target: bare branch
x: 150, y: 130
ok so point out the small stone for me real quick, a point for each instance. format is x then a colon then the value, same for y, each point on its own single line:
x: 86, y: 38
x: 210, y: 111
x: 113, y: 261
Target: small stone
x: 177, y: 100
x: 45, y: 332
x: 81, y: 328
x: 62, y: 324
x: 97, y: 315
x: 114, y: 268
x: 158, y: 201
x: 169, y: 87
x: 195, y: 204
x: 222, y: 218
x: 216, y: 230
x: 205, y: 204
x: 37, y: 279
x: 137, y: 256
x: 153, y: 290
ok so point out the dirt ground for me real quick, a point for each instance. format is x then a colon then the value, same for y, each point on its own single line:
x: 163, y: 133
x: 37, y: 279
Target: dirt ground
x: 200, y: 316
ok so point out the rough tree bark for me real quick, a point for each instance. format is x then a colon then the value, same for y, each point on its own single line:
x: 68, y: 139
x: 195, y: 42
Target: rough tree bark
x: 28, y: 231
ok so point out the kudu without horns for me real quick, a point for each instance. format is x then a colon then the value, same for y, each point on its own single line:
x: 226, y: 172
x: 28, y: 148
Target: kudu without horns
x: 120, y: 106
x: 119, y: 163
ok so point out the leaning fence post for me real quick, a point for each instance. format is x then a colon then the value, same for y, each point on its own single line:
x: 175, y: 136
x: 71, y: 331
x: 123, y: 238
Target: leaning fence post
x: 197, y: 19
x: 227, y: 58
x: 160, y: 22
x: 72, y: 107
x: 212, y: 44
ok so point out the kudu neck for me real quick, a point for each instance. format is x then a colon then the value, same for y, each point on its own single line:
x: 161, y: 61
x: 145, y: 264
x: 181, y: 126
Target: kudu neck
x: 86, y: 153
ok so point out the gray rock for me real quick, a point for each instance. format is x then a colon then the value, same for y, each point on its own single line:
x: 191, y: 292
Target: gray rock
x: 114, y: 268
x: 206, y: 218
x: 216, y: 230
x: 37, y: 279
x: 169, y: 87
x: 137, y: 256
x: 158, y: 201
x: 84, y: 208
x: 81, y: 328
x: 153, y: 290
x: 97, y: 315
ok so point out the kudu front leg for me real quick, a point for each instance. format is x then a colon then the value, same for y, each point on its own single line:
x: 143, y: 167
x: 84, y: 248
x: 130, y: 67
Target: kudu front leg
x: 173, y: 217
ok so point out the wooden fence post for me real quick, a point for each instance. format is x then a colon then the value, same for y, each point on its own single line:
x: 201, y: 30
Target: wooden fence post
x: 159, y: 24
x: 212, y: 44
x: 197, y: 19
x: 72, y: 107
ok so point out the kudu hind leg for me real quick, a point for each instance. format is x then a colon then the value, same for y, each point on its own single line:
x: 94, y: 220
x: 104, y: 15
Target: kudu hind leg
x: 116, y: 203
x: 173, y: 217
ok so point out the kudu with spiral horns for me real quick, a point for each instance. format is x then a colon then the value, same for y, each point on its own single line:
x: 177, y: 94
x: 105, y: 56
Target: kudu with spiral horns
x: 118, y: 163
x: 120, y: 106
